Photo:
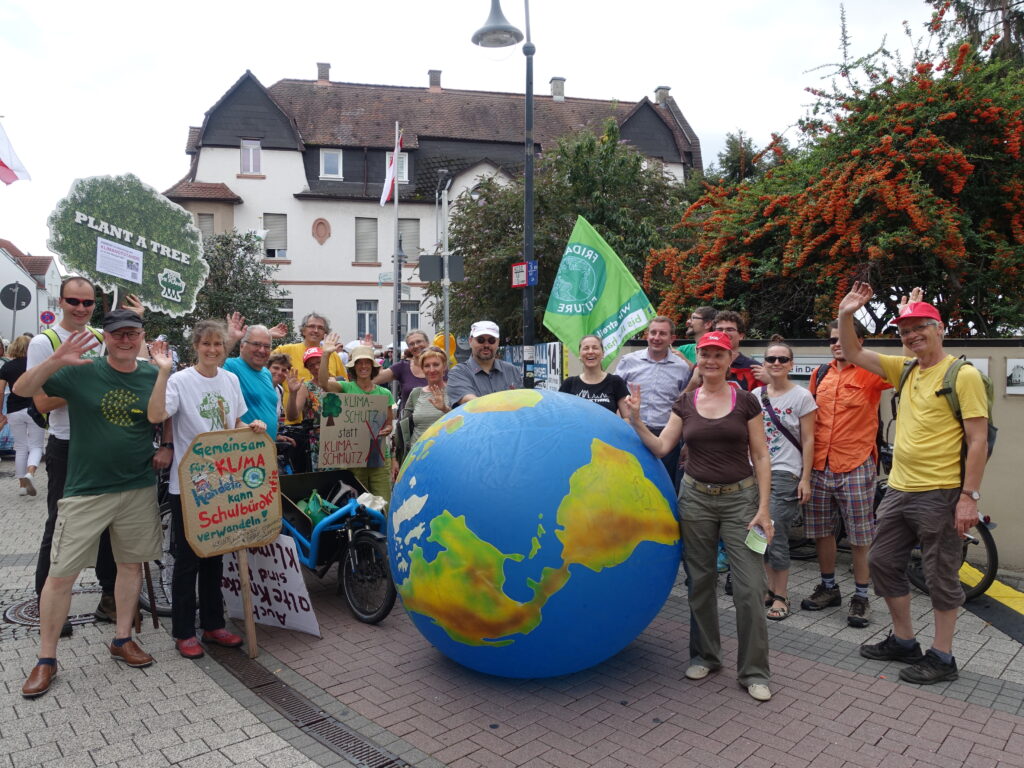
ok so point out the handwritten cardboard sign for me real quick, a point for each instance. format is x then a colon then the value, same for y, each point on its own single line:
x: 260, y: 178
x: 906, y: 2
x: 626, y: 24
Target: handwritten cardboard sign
x: 279, y: 594
x: 230, y: 494
x: 349, y: 425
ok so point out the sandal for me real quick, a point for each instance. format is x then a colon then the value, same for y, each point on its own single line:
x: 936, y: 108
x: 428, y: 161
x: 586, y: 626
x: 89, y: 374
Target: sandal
x: 769, y: 600
x: 778, y: 614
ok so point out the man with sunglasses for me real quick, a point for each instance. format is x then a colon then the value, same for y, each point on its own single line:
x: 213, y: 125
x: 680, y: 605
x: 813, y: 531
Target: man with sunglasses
x: 77, y: 301
x: 483, y: 373
x: 843, y: 473
x: 933, y: 489
x: 110, y: 482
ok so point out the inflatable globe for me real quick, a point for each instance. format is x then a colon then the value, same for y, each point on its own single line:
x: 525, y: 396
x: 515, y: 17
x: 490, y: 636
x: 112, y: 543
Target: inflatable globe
x: 532, y: 534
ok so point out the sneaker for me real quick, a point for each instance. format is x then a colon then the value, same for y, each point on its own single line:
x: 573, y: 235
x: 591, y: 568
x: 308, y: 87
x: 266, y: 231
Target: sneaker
x: 821, y: 598
x: 759, y: 692
x: 23, y: 491
x: 860, y: 611
x: 30, y: 487
x: 930, y: 669
x: 107, y: 609
x: 222, y: 637
x: 190, y: 648
x: 697, y: 671
x: 891, y: 650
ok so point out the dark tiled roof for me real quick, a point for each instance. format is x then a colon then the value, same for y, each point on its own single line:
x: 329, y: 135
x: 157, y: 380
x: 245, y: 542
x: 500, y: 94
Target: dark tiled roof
x: 192, y: 145
x: 350, y: 114
x: 36, y: 265
x: 201, y: 190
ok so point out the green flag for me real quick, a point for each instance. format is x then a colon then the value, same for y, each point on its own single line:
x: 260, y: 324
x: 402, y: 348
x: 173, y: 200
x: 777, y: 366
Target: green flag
x: 594, y: 293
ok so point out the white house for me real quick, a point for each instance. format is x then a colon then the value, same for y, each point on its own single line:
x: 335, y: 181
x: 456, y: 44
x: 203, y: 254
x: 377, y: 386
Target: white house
x: 39, y: 275
x: 304, y: 162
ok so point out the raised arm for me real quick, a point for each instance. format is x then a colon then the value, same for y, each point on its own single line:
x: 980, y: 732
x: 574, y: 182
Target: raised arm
x: 660, y: 445
x: 70, y: 352
x: 857, y: 298
x: 156, y: 412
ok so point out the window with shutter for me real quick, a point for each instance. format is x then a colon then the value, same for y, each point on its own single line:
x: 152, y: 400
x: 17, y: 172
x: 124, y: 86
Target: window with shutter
x: 276, y: 241
x: 409, y: 231
x: 205, y: 223
x: 366, y: 241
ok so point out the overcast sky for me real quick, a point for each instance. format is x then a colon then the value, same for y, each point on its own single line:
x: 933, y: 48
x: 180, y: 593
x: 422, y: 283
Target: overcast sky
x: 111, y: 87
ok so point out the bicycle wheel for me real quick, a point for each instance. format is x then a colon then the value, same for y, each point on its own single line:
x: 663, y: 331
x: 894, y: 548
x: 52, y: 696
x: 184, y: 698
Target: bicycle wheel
x: 366, y: 580
x: 978, y: 567
x: 165, y: 565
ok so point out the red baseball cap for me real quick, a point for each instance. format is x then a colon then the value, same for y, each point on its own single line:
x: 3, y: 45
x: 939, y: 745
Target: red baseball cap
x: 918, y: 310
x: 312, y: 352
x: 715, y: 339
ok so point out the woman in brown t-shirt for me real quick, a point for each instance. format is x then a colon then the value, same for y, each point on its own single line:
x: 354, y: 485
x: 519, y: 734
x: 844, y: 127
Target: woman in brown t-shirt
x: 721, y: 496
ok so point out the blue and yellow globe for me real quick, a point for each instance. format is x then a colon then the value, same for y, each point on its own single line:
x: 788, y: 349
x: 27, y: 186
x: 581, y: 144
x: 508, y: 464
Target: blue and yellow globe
x: 532, y: 534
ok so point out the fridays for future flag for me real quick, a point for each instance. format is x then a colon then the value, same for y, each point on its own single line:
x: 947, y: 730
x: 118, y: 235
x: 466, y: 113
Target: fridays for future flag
x: 595, y: 293
x: 11, y: 169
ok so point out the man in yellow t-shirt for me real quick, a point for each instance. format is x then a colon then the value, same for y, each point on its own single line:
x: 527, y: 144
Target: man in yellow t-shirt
x: 929, y: 498
x: 314, y: 328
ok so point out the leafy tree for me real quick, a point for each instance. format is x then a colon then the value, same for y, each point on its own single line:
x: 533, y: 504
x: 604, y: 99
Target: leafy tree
x: 996, y: 25
x: 628, y: 199
x: 331, y: 408
x: 238, y: 281
x: 738, y: 161
x: 914, y: 177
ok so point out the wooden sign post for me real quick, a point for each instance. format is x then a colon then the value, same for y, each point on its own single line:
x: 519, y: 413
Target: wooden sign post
x: 231, y: 500
x: 349, y: 428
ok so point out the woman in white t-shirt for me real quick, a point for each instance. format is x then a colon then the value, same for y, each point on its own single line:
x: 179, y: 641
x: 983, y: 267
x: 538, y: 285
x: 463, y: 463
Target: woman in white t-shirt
x: 788, y: 412
x: 203, y: 398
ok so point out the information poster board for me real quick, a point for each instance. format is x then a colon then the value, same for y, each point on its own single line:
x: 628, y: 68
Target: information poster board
x: 279, y: 594
x: 230, y: 493
x: 350, y: 425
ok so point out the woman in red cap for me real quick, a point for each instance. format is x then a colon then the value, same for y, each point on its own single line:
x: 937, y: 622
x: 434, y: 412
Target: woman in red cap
x: 723, y: 495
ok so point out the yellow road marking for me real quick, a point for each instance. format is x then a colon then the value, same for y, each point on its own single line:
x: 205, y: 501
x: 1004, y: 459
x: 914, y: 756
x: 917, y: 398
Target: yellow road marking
x: 1003, y: 593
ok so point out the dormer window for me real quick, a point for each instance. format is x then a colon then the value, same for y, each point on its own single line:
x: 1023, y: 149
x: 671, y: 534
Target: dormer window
x: 330, y: 164
x: 251, y: 157
x: 403, y: 166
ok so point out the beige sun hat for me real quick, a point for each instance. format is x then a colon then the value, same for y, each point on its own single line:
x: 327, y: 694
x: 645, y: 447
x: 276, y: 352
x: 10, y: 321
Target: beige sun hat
x: 361, y: 353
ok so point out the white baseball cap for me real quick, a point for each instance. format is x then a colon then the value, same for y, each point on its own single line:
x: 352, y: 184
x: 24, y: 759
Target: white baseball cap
x: 484, y: 327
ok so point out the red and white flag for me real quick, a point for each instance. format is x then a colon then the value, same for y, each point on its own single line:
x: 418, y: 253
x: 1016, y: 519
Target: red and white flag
x: 389, y: 180
x: 11, y: 169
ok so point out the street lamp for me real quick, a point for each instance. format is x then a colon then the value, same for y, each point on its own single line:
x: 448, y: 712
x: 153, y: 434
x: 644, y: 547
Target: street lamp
x: 498, y: 33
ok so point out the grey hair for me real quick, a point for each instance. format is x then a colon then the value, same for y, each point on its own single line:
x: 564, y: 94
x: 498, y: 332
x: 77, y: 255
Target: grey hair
x: 252, y: 329
x: 311, y: 315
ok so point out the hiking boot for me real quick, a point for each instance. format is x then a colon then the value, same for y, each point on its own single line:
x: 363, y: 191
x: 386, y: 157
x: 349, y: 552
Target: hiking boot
x: 930, y: 669
x: 860, y: 612
x: 107, y: 609
x: 821, y: 598
x: 891, y: 650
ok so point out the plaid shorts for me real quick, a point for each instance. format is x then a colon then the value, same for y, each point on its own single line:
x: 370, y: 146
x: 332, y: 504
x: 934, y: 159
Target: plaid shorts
x: 850, y: 494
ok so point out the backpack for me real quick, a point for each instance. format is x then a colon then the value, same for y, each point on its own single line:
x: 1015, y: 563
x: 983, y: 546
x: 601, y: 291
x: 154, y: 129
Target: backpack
x: 949, y: 392
x: 42, y: 420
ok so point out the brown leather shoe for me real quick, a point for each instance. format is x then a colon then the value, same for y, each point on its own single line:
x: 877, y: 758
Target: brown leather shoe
x: 39, y: 680
x: 130, y: 654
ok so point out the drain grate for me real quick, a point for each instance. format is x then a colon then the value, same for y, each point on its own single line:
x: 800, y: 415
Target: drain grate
x: 302, y: 713
x: 26, y: 612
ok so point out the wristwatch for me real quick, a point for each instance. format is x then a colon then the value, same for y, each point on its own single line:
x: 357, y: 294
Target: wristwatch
x: 166, y: 445
x: 973, y: 494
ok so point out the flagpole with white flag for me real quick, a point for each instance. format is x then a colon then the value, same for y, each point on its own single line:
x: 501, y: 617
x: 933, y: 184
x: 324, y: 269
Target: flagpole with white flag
x: 391, y: 187
x: 11, y: 168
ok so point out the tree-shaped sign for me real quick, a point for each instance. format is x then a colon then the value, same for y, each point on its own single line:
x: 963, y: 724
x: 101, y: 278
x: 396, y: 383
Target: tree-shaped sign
x: 330, y: 408
x: 127, y: 237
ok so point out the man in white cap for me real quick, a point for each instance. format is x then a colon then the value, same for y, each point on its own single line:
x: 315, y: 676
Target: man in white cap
x: 483, y: 373
x: 932, y: 496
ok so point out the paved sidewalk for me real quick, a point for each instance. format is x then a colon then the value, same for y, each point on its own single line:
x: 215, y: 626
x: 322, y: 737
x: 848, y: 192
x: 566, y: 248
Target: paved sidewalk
x: 831, y: 707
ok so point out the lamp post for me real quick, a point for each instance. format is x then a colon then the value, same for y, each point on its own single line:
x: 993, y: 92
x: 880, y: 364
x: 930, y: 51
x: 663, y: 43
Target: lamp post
x: 498, y: 33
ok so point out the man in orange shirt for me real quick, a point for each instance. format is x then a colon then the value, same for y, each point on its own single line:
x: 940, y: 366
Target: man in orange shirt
x: 843, y: 477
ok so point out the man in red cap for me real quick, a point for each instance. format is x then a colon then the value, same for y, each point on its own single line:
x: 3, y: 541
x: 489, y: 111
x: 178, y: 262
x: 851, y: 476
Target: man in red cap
x: 932, y: 497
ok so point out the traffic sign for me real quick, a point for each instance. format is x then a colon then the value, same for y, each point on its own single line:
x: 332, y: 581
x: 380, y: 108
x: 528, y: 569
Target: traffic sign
x: 15, y: 296
x: 46, y: 317
x: 519, y: 278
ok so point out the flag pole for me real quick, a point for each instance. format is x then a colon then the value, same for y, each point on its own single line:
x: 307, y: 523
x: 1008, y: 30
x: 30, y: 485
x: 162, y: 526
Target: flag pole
x: 396, y: 321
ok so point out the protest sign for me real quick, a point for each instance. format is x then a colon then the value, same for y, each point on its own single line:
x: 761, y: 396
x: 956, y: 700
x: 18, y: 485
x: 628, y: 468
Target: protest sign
x: 125, y: 236
x: 279, y: 594
x: 230, y: 494
x: 349, y: 425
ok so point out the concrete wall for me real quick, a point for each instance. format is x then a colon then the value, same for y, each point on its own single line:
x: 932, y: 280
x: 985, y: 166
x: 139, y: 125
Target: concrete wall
x: 999, y: 488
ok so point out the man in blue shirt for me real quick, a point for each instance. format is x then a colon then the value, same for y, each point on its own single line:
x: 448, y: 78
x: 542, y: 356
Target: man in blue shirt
x: 253, y: 375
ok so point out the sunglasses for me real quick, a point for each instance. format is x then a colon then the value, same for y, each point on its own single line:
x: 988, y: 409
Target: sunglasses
x: 778, y: 359
x: 486, y: 340
x: 76, y: 302
x: 832, y: 340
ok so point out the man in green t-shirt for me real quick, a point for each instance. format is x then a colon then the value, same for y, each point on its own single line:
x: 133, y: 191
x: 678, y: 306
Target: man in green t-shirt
x: 700, y: 321
x: 110, y: 482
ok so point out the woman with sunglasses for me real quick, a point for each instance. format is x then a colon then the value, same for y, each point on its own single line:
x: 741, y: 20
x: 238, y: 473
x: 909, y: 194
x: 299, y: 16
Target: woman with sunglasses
x: 788, y: 412
x: 723, y: 495
x: 595, y: 384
